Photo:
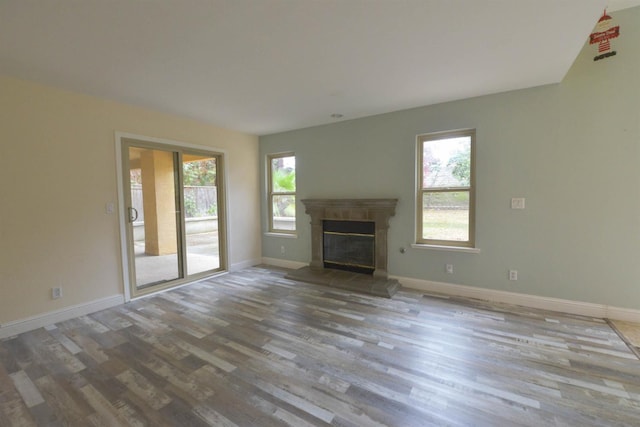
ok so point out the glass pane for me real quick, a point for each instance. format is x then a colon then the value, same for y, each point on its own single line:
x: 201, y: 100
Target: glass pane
x: 445, y: 216
x: 155, y: 230
x: 446, y: 162
x: 201, y: 212
x: 349, y: 249
x: 284, y: 212
x: 283, y: 174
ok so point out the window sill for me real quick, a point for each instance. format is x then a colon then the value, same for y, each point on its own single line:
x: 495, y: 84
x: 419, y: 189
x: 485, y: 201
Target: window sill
x: 446, y: 248
x: 283, y: 235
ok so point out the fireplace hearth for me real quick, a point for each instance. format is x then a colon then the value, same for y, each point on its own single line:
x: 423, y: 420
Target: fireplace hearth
x: 349, y: 234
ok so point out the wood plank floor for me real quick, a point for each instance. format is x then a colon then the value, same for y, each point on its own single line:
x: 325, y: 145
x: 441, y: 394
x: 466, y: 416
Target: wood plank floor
x: 254, y: 349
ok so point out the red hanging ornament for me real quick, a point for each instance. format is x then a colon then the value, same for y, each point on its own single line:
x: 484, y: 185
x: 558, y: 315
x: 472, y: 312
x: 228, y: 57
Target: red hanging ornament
x: 604, y: 32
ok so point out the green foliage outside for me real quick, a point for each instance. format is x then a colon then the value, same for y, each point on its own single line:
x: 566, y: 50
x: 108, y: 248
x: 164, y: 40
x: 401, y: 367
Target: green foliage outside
x: 445, y: 224
x: 461, y: 163
x: 284, y: 181
x: 446, y: 200
x: 200, y: 173
x: 190, y: 206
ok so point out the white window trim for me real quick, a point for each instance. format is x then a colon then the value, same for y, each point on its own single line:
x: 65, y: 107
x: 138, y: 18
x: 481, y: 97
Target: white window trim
x: 271, y: 231
x: 293, y: 235
x: 445, y: 245
x: 446, y: 248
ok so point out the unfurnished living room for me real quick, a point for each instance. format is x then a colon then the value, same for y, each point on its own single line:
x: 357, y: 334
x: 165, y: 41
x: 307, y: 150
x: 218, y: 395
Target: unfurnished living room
x: 320, y: 212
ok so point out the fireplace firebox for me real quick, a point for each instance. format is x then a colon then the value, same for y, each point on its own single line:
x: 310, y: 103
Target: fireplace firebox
x: 349, y: 245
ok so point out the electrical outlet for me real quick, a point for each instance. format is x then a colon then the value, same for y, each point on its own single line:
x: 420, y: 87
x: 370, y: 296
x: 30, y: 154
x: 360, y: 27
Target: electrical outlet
x: 517, y: 203
x: 56, y: 293
x: 449, y: 268
x: 513, y: 274
x: 282, y: 250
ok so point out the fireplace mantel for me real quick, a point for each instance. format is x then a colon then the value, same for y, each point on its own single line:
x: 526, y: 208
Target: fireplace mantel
x: 352, y: 209
x: 375, y: 210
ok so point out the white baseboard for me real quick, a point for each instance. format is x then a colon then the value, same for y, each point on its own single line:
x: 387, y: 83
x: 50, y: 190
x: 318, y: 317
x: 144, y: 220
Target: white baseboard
x: 600, y: 311
x: 553, y: 304
x: 284, y: 263
x: 626, y: 314
x: 546, y: 303
x: 244, y: 264
x: 34, y: 322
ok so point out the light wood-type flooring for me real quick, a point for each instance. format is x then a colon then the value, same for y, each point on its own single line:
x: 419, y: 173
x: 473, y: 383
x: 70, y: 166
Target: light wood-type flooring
x: 254, y: 349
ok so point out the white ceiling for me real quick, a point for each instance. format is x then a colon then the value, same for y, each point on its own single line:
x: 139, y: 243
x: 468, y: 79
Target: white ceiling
x: 264, y: 66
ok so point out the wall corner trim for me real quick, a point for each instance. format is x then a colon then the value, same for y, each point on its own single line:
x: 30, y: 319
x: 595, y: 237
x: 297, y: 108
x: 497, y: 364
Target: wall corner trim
x: 600, y: 311
x: 34, y: 322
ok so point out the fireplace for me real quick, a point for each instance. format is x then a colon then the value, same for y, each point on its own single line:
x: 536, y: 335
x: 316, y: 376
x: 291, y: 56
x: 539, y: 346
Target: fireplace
x: 349, y: 234
x: 349, y: 245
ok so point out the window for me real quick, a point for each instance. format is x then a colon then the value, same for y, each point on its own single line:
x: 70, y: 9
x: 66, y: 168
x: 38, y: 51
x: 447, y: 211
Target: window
x: 446, y: 190
x: 282, y: 192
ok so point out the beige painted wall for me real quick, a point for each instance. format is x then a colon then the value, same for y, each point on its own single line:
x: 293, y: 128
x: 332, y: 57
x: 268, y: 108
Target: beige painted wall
x: 58, y: 170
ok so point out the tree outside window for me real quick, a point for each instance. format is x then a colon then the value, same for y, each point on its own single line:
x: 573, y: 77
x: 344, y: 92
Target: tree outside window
x: 200, y: 188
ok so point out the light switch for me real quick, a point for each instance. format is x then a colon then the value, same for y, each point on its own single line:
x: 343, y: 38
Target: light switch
x: 517, y: 203
x: 109, y: 208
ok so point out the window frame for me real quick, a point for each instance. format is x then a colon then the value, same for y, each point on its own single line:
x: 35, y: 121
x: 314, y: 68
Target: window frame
x: 271, y: 194
x: 422, y: 191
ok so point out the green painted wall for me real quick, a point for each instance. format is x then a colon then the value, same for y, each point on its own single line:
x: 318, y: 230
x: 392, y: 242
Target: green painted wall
x: 571, y: 149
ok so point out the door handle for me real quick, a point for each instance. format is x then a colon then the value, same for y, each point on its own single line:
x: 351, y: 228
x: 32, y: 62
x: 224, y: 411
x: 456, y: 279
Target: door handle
x: 133, y: 214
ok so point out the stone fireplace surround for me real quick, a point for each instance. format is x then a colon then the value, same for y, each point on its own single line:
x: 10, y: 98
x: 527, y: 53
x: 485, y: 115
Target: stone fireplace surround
x: 378, y: 211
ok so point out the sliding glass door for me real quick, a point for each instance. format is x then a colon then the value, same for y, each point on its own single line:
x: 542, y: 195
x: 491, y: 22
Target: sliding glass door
x: 173, y: 200
x: 200, y: 192
x: 154, y: 216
